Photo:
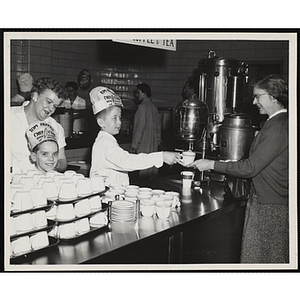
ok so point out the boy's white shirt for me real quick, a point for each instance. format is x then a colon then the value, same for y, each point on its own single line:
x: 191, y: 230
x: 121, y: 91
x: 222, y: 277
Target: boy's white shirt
x: 110, y: 160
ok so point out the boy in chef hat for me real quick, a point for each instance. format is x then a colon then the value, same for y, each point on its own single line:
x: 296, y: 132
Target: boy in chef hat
x: 108, y: 158
x: 43, y: 146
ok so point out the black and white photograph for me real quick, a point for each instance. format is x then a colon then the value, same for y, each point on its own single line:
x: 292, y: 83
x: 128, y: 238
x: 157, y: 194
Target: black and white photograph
x: 171, y: 150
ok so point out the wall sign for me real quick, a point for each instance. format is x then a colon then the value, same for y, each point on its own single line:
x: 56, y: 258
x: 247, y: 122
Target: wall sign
x: 84, y: 79
x: 152, y: 43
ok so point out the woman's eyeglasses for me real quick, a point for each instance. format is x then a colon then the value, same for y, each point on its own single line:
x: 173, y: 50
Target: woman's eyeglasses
x: 257, y: 96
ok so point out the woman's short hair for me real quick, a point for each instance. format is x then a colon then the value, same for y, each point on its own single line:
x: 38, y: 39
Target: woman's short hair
x: 145, y: 88
x: 45, y: 83
x: 276, y: 86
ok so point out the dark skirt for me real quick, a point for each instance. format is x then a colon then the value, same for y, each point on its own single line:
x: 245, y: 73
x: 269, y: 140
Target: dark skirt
x: 266, y: 233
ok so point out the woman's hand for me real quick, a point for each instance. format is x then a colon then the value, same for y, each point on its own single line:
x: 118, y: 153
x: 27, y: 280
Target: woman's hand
x: 202, y: 164
x: 171, y: 158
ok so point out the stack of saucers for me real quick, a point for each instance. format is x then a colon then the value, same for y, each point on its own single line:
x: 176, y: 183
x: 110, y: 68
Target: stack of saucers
x: 122, y: 211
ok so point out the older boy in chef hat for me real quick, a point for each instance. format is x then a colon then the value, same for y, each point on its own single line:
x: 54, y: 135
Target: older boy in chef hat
x: 108, y: 158
x: 43, y: 146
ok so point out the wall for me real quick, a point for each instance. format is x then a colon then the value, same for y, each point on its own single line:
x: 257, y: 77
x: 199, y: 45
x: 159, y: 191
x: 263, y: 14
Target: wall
x: 122, y: 66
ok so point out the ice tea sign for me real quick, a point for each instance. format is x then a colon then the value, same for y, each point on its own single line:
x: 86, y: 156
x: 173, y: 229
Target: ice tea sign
x: 152, y: 43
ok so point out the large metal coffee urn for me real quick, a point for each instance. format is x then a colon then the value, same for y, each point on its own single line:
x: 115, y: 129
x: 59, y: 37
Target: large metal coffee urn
x: 236, y: 135
x: 221, y: 82
x: 190, y: 120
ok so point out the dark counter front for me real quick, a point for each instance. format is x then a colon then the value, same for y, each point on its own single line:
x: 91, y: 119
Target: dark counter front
x: 207, y: 228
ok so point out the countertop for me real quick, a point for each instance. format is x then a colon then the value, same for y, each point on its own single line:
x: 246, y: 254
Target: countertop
x: 203, y: 205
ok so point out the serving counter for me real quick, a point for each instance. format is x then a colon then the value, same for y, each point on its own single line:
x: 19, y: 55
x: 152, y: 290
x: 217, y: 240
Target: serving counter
x: 206, y: 228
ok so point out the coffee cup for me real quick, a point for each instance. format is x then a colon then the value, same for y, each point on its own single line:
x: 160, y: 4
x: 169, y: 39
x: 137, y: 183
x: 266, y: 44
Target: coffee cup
x: 188, y: 157
x: 38, y: 197
x: 95, y: 202
x: 163, y: 209
x: 39, y: 219
x: 24, y: 223
x: 147, y: 208
x: 65, y: 212
x: 82, y: 226
x: 39, y: 240
x: 66, y: 230
x: 97, y: 183
x: 22, y: 201
x: 82, y: 208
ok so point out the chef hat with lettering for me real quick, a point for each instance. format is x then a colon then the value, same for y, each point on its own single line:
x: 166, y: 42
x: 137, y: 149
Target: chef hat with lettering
x: 39, y: 132
x: 102, y: 97
x: 25, y: 82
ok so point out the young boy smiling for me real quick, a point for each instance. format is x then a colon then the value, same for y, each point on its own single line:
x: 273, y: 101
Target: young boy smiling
x: 108, y: 158
x: 43, y: 146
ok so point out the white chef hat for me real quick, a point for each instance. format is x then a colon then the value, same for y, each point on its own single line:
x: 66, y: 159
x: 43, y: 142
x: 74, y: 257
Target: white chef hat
x: 102, y: 97
x: 39, y: 132
x: 25, y: 82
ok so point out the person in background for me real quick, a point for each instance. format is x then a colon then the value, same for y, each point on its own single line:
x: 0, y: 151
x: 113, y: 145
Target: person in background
x: 46, y: 96
x: 146, y: 135
x: 189, y: 90
x: 75, y: 102
x: 266, y: 234
x: 25, y: 85
x: 43, y: 146
x: 108, y: 158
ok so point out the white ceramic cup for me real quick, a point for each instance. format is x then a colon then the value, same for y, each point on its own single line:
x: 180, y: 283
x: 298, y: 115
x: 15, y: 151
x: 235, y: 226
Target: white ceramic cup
x: 147, y: 208
x: 50, y: 190
x: 27, y: 182
x: 36, y: 179
x: 131, y: 193
x: 24, y: 223
x: 84, y: 186
x: 163, y: 209
x: 22, y: 201
x: 145, y: 189
x: 82, y: 226
x: 65, y: 212
x: 16, y: 177
x: 158, y: 192
x: 12, y: 226
x: 38, y: 197
x: 95, y: 202
x: 82, y: 208
x: 39, y: 219
x: 132, y: 186
x: 142, y: 196
x: 14, y: 187
x: 188, y: 157
x: 67, y: 191
x: 66, y: 231
x: 99, y: 219
x: 39, y: 240
x: 69, y: 173
x: 97, y: 183
x: 76, y: 177
x: 51, y: 214
x: 21, y: 245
